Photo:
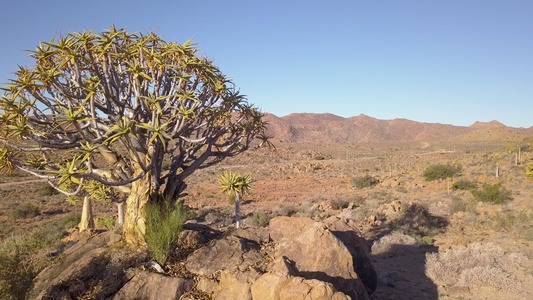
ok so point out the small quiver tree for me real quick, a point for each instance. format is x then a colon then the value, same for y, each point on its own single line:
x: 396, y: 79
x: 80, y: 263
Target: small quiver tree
x: 142, y: 113
x: 237, y: 185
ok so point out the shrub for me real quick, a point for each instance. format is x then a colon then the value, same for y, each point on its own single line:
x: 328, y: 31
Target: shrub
x: 286, y: 211
x: 491, y: 193
x: 261, y: 218
x: 389, y: 244
x: 440, y: 171
x: 529, y: 170
x: 22, y: 258
x: 364, y: 181
x: 476, y: 264
x: 464, y: 184
x: 458, y: 205
x: 416, y: 221
x: 163, y: 225
x: 28, y: 210
x: 338, y: 204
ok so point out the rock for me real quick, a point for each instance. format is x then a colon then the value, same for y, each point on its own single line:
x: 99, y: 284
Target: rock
x: 153, y: 286
x: 88, y: 259
x: 316, y: 253
x: 191, y: 239
x: 277, y: 287
x: 257, y: 235
x: 227, y: 253
x: 235, y: 285
x: 346, y: 231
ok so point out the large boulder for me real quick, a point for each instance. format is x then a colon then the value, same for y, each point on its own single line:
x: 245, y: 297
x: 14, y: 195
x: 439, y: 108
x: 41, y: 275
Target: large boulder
x: 316, y: 253
x: 346, y: 231
x: 153, y: 286
x: 235, y: 284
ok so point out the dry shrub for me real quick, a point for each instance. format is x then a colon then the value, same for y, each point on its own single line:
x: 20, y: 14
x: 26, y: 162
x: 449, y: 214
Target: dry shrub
x: 385, y: 245
x: 475, y: 264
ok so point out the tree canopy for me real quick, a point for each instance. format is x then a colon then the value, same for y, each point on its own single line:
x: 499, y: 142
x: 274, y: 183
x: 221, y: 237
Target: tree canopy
x: 134, y: 100
x: 130, y: 106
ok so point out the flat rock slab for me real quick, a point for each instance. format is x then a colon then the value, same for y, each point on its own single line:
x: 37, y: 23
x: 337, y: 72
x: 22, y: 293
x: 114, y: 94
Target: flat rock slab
x: 153, y: 286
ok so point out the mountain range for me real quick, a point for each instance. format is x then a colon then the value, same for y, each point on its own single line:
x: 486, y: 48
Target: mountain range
x: 329, y: 128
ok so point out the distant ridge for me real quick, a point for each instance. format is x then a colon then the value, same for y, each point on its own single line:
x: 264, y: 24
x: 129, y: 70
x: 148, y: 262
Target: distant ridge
x: 330, y: 128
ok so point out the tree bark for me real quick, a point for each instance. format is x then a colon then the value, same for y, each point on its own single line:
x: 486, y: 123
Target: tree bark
x: 134, y: 228
x: 87, y: 219
x: 237, y: 210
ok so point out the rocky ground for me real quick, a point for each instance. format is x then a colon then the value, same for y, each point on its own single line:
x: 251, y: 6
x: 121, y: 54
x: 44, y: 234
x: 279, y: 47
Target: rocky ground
x: 427, y: 240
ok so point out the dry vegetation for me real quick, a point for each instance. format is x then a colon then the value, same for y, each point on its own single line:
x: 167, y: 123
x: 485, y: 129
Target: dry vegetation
x: 430, y: 239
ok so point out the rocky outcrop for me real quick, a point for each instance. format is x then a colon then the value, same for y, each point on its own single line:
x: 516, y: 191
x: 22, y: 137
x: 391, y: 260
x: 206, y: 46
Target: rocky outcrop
x: 295, y: 258
x: 316, y: 253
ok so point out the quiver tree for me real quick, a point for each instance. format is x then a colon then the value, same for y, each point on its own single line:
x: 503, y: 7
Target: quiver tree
x: 236, y: 185
x: 139, y: 114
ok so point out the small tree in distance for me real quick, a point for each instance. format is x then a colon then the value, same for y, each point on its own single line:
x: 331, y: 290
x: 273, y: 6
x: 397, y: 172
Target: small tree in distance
x: 238, y: 185
x: 137, y: 113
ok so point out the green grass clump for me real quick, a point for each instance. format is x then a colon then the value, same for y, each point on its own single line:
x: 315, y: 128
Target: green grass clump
x: 163, y: 225
x: 440, y: 171
x: 109, y: 223
x: 491, y: 193
x: 364, y: 181
x: 529, y: 170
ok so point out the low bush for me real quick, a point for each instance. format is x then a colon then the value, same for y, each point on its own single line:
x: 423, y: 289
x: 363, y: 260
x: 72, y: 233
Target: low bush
x: 163, y: 225
x: 393, y: 244
x: 491, y: 193
x: 261, y: 218
x: 464, y: 184
x: 529, y: 170
x: 458, y: 205
x: 286, y: 211
x: 28, y: 210
x: 416, y: 221
x: 476, y: 264
x: 22, y: 257
x: 440, y: 171
x: 364, y: 181
x: 338, y: 204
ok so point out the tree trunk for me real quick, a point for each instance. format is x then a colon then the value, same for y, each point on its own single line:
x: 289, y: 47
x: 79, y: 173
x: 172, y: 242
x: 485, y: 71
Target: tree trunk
x: 134, y: 227
x: 87, y: 219
x: 237, y: 210
x: 497, y: 170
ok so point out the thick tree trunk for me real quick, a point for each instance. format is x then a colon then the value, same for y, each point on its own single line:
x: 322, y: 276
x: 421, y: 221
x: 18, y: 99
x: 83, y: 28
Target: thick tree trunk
x: 87, y: 219
x: 237, y: 210
x: 134, y: 227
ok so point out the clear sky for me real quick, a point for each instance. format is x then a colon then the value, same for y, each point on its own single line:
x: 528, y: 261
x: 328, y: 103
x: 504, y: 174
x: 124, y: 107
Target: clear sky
x: 452, y: 62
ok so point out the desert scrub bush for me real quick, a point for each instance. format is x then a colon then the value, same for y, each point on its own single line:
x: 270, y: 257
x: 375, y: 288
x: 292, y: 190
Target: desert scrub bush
x: 475, y: 264
x: 392, y: 244
x: 23, y: 256
x: 364, y: 181
x: 286, y: 211
x: 529, y: 170
x: 28, y: 210
x: 440, y: 171
x: 48, y: 190
x: 459, y: 205
x: 261, y: 218
x: 339, y: 203
x: 163, y: 225
x: 464, y: 184
x: 491, y: 193
x: 416, y: 221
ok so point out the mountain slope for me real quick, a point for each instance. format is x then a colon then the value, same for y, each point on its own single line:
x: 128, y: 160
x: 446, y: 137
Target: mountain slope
x: 329, y: 128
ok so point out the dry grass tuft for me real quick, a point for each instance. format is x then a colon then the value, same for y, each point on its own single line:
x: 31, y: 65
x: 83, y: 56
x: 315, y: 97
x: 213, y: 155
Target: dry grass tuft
x: 385, y: 245
x: 475, y: 264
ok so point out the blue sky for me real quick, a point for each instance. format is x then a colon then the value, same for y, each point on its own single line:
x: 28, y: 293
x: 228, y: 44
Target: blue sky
x: 452, y: 62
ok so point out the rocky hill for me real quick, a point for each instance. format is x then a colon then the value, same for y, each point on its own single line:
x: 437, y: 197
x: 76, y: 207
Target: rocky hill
x: 308, y: 128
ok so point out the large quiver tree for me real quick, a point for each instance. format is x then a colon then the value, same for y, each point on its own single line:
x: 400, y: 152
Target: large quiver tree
x: 141, y: 113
